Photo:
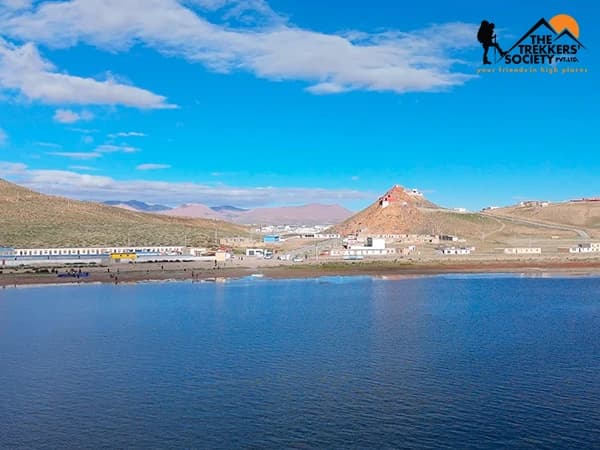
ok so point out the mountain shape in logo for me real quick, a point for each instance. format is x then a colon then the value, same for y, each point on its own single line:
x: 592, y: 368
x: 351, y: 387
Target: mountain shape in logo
x: 568, y: 33
x: 540, y: 23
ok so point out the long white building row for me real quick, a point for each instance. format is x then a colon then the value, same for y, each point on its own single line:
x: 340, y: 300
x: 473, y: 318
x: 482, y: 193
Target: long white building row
x: 93, y: 251
x: 586, y: 248
x: 364, y: 251
x: 457, y: 250
x: 523, y: 251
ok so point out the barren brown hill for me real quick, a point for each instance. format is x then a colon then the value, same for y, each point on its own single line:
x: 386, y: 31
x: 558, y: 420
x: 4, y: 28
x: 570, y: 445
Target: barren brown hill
x: 193, y: 211
x: 396, y: 212
x: 399, y: 212
x: 31, y: 219
x: 583, y: 215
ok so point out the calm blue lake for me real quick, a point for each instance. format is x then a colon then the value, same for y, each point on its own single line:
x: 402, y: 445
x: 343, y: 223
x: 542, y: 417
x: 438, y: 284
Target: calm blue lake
x: 433, y: 362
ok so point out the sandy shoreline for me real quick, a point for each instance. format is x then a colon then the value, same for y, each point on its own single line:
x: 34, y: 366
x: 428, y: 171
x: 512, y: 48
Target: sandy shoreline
x: 158, y: 272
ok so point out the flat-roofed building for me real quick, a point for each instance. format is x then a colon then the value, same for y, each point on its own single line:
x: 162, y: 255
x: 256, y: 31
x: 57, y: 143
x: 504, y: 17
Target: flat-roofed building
x: 523, y: 251
x: 585, y: 248
x: 460, y: 251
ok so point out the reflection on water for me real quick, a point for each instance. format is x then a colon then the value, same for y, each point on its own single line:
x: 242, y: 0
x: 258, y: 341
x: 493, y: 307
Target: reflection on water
x: 336, y: 362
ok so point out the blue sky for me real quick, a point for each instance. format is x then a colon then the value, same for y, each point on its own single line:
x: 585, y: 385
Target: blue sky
x: 253, y: 102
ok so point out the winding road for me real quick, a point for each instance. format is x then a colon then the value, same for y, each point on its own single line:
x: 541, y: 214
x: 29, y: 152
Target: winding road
x: 582, y: 233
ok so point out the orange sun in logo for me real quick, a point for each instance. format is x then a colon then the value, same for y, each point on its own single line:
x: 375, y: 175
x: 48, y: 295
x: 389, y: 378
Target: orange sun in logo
x: 563, y: 22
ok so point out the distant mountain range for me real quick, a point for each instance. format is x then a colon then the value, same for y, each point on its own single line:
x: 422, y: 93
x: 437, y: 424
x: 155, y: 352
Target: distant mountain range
x: 136, y: 205
x: 195, y: 210
x: 227, y: 208
x: 31, y: 219
x: 313, y: 214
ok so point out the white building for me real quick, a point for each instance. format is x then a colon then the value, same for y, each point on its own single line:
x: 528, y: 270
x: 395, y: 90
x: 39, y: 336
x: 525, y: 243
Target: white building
x: 457, y: 251
x: 523, y: 251
x: 534, y: 203
x: 328, y: 236
x: 197, y: 251
x: 372, y: 243
x: 408, y: 250
x: 414, y: 192
x: 321, y: 236
x: 97, y: 251
x: 448, y: 238
x: 373, y: 247
x: 364, y: 251
x: 586, y: 248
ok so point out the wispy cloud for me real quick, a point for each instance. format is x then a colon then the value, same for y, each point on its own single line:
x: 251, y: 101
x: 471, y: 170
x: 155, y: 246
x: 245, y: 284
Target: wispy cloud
x: 152, y: 166
x: 24, y: 70
x: 95, y: 187
x: 112, y: 148
x: 77, y: 155
x: 127, y: 134
x: 84, y: 130
x: 84, y: 168
x: 399, y: 61
x: 3, y: 136
x: 11, y: 168
x: 70, y: 116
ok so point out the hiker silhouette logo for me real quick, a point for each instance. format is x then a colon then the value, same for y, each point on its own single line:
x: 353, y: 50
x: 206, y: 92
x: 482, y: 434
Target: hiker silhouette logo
x: 487, y: 37
x: 548, y: 42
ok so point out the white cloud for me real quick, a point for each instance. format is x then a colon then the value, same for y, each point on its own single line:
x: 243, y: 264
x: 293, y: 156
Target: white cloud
x: 84, y: 168
x: 23, y: 70
x: 87, y: 139
x: 77, y: 155
x: 94, y: 187
x: 152, y: 166
x: 2, y: 136
x: 69, y: 116
x: 16, y: 4
x: 10, y: 168
x: 84, y: 130
x: 421, y: 60
x: 112, y: 148
x: 127, y: 134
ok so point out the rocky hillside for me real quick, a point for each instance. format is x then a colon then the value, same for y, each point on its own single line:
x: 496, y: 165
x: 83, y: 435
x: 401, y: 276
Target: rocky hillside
x: 581, y: 215
x: 31, y: 219
x: 398, y: 211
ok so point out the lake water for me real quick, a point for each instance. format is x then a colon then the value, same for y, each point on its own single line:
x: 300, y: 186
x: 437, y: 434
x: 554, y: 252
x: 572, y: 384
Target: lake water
x: 432, y: 362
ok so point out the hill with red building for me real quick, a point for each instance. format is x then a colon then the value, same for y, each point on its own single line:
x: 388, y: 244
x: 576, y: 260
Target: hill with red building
x: 398, y: 211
